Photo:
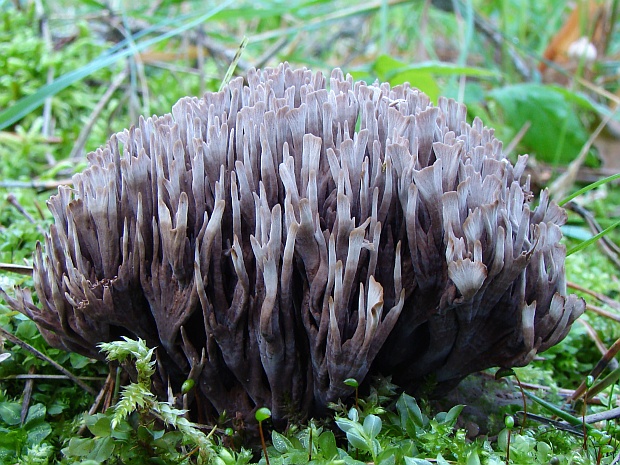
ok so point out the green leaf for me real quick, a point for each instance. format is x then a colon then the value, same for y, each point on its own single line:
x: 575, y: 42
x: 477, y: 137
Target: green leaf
x: 422, y: 75
x: 556, y: 133
x: 357, y: 440
x: 38, y: 433
x: 327, y: 445
x: 353, y: 414
x: 372, y: 426
x: 415, y: 461
x: 36, y: 414
x: 280, y: 442
x: 10, y: 412
x: 473, y: 459
x: 79, y: 447
x: 453, y: 415
x: 102, y: 427
x: 104, y: 447
x: 408, y: 409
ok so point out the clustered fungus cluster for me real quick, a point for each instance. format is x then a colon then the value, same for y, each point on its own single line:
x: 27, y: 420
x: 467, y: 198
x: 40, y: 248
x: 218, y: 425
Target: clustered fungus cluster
x: 287, y: 233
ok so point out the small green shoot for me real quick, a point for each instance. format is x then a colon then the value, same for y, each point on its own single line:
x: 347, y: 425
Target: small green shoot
x: 509, y: 422
x: 261, y: 415
x: 352, y: 382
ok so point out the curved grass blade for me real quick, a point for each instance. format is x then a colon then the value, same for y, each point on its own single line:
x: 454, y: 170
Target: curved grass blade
x: 593, y: 239
x: 233, y: 63
x: 589, y: 187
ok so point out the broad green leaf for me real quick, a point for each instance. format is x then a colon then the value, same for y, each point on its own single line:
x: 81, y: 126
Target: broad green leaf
x: 280, y: 442
x: 79, y: 447
x: 13, y: 439
x: 357, y: 441
x: 327, y: 445
x: 347, y: 425
x: 102, y: 427
x: 473, y: 459
x: 556, y: 132
x: 422, y: 75
x: 416, y: 461
x: 453, y: 415
x: 36, y: 414
x: 10, y: 412
x: 372, y: 426
x: 408, y: 409
x: 38, y: 433
x: 104, y: 447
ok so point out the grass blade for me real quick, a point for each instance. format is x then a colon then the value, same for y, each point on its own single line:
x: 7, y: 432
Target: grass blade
x: 589, y: 187
x: 593, y: 239
x: 30, y: 103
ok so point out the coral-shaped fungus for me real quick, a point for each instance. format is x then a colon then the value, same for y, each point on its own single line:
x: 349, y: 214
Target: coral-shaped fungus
x: 280, y: 236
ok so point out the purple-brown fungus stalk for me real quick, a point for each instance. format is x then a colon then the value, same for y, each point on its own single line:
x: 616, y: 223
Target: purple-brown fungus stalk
x: 290, y: 232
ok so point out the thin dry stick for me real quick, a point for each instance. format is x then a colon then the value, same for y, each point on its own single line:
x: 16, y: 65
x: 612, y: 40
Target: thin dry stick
x: 517, y: 138
x: 107, y: 386
x: 24, y: 345
x: 44, y: 185
x: 598, y: 369
x: 27, y: 396
x: 603, y: 312
x: 613, y: 363
x: 597, y: 295
x: 19, y: 269
x: 78, y: 147
x: 270, y: 52
x: 20, y: 208
x: 52, y: 377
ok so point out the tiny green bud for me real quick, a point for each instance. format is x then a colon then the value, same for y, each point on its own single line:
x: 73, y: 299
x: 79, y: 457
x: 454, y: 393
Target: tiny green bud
x: 262, y: 414
x: 509, y: 421
x: 187, y: 386
x: 351, y: 382
x: 589, y: 381
x: 229, y: 431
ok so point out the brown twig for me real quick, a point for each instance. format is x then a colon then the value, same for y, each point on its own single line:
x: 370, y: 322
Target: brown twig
x: 44, y: 185
x: 19, y: 269
x: 613, y: 363
x: 78, y: 147
x: 598, y: 369
x: 52, y: 377
x: 517, y: 138
x: 24, y: 345
x: 27, y: 396
x: 107, y: 386
x: 20, y: 208
x: 603, y: 312
x: 597, y: 295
